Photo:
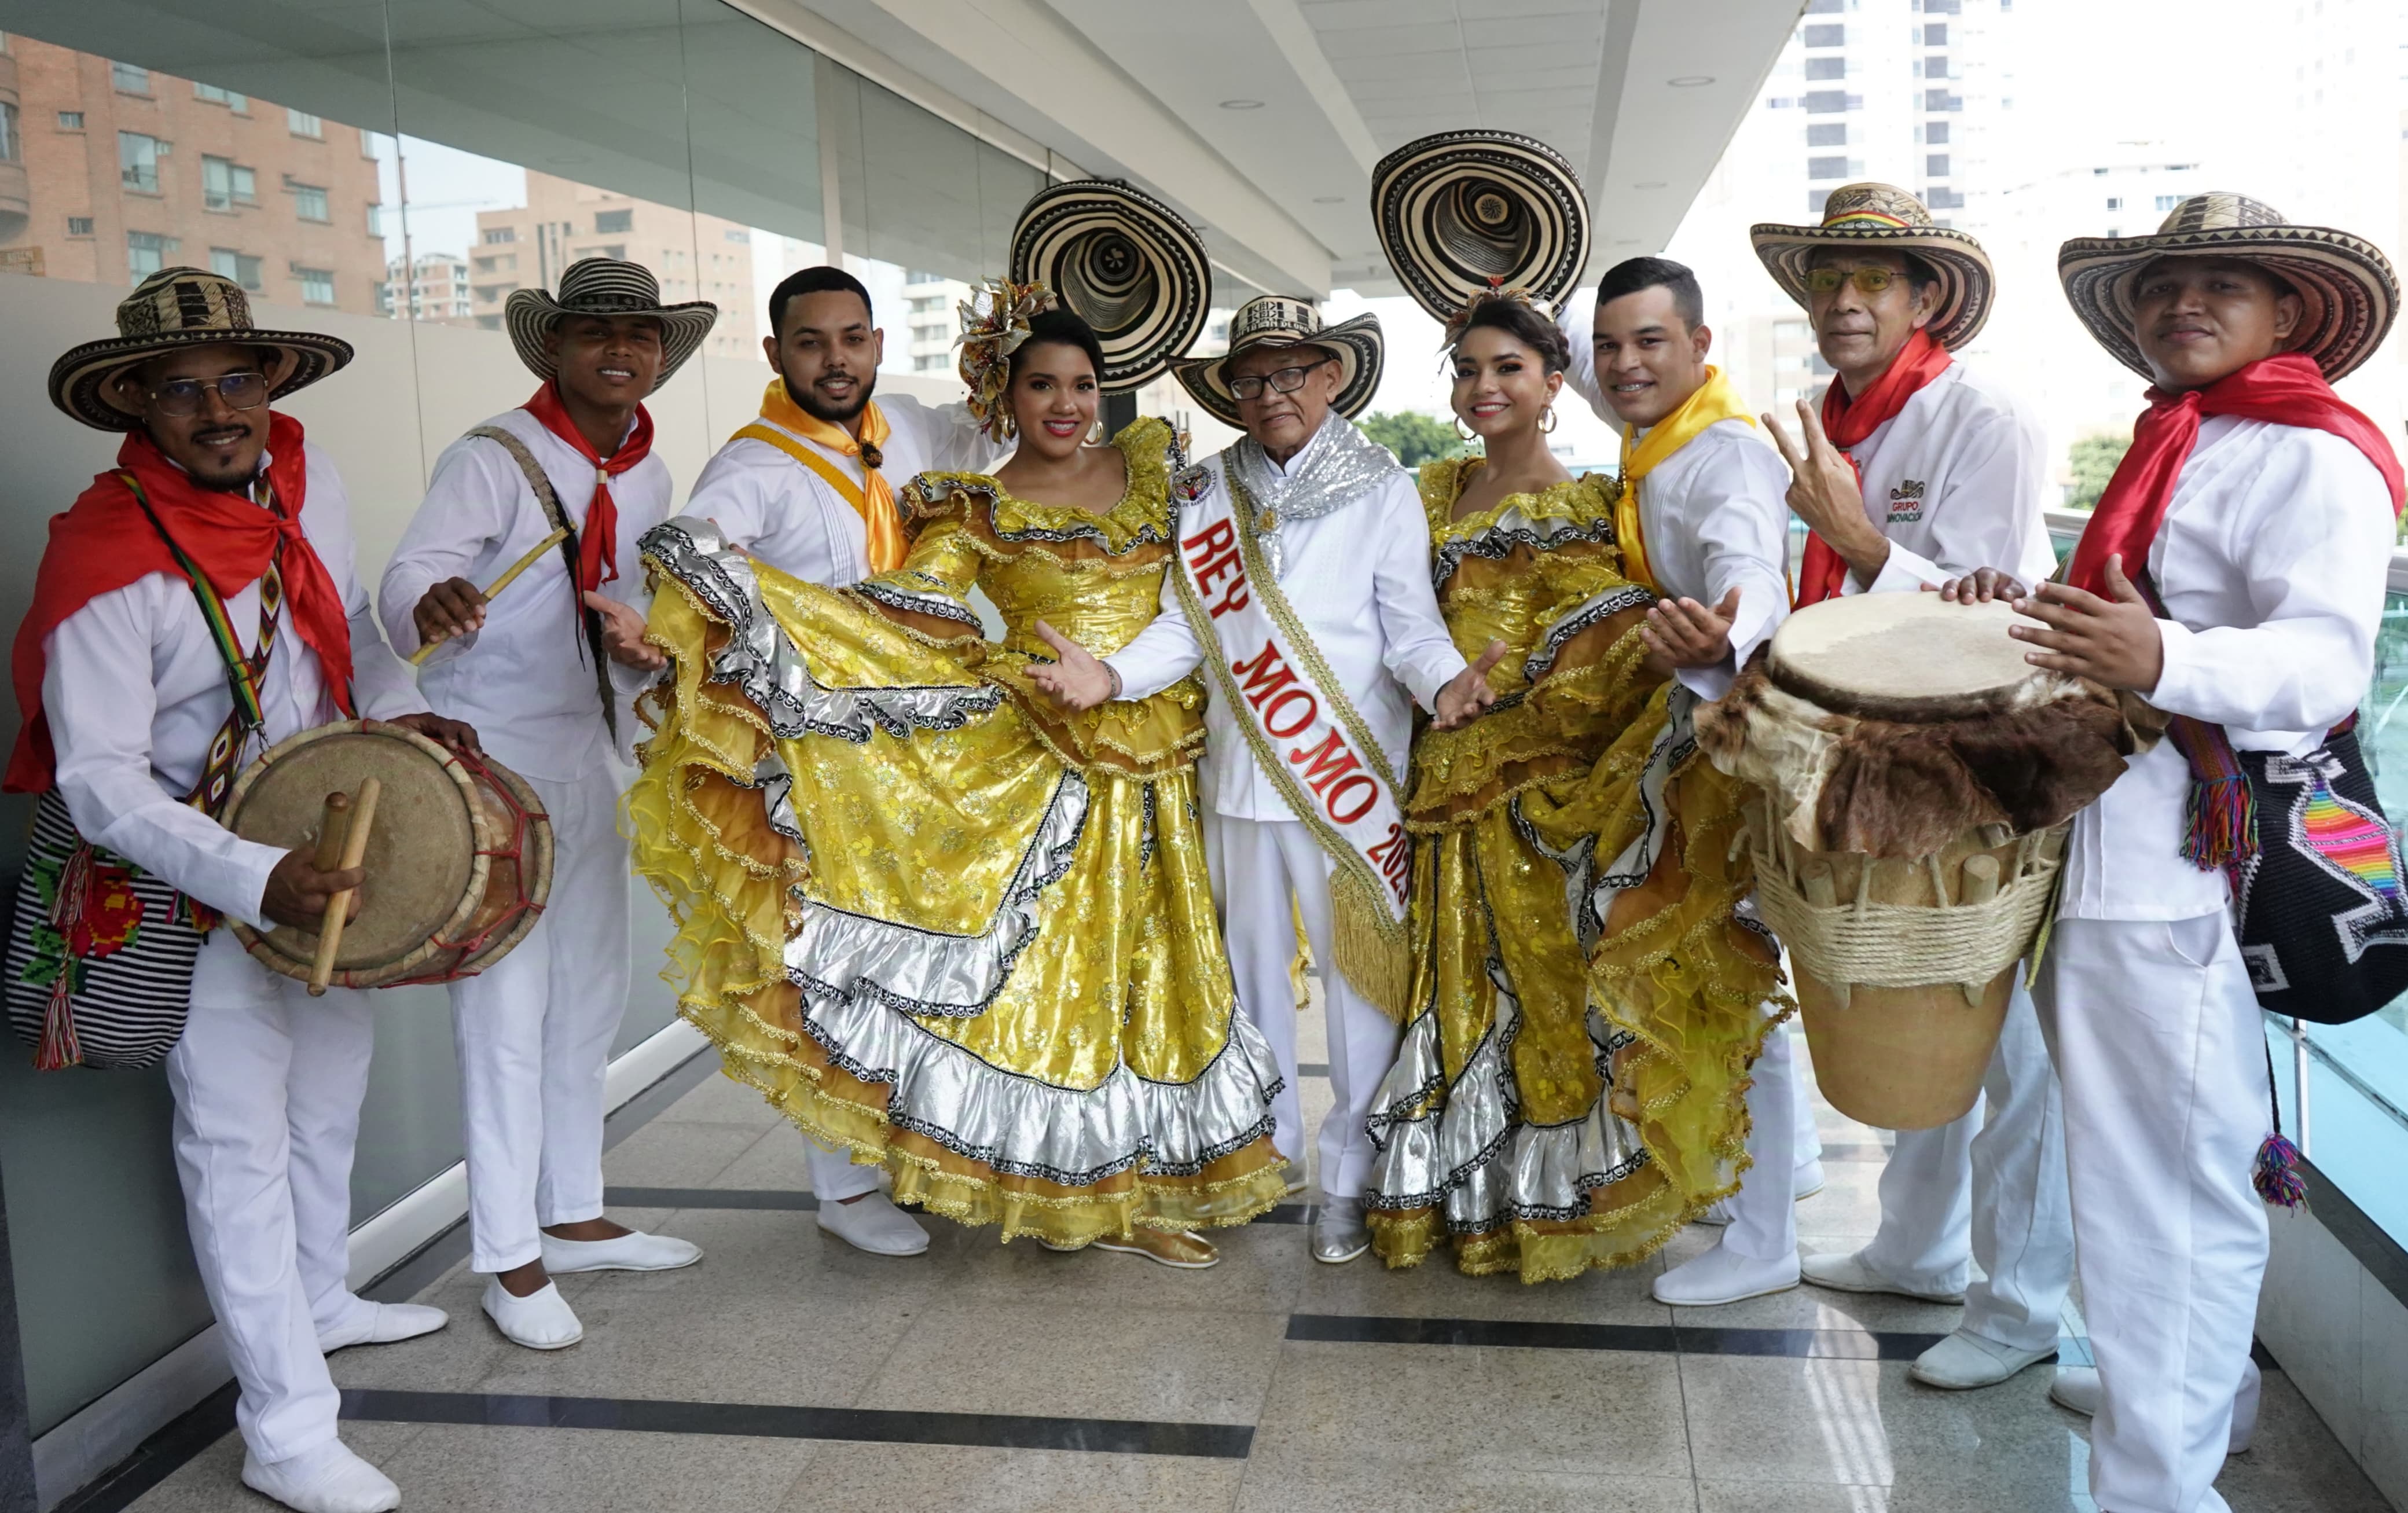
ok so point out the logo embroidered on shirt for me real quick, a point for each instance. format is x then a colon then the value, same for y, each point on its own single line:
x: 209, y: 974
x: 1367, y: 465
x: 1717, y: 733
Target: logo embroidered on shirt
x: 1193, y: 483
x: 1906, y: 501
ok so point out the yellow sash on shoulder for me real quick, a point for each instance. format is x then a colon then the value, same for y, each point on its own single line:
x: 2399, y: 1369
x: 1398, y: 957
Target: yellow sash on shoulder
x: 1714, y: 400
x: 873, y: 499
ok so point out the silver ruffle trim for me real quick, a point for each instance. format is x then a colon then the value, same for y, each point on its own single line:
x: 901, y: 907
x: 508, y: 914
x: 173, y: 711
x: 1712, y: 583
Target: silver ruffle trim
x: 1513, y: 529
x: 1589, y: 892
x: 941, y: 606
x: 1599, y: 608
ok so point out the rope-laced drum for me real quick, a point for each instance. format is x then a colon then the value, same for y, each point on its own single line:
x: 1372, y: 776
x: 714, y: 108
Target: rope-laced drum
x: 458, y: 861
x: 1918, y: 776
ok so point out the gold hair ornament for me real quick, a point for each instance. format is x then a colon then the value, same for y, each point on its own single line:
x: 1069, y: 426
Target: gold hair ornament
x: 995, y: 322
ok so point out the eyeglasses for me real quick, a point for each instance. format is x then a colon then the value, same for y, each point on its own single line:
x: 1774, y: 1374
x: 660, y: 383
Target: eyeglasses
x: 1287, y: 380
x: 1870, y: 279
x: 185, y: 396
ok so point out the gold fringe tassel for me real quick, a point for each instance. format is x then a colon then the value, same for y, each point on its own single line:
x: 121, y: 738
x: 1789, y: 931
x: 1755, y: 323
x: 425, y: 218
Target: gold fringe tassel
x: 1373, y: 949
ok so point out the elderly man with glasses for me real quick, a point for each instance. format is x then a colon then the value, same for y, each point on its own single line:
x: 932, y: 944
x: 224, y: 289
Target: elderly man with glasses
x: 1305, y: 596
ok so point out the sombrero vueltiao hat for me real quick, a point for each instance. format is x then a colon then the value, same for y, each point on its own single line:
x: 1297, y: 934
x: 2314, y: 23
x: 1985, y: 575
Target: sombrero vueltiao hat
x: 1287, y: 320
x: 1123, y: 261
x: 1886, y: 216
x: 172, y: 310
x: 1464, y: 213
x: 2351, y: 293
x: 605, y: 286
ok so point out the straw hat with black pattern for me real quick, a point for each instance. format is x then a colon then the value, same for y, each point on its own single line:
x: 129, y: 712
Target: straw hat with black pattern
x: 2348, y: 286
x: 1464, y: 213
x: 172, y: 310
x: 1124, y: 263
x: 605, y: 286
x: 1886, y: 216
x: 1288, y: 321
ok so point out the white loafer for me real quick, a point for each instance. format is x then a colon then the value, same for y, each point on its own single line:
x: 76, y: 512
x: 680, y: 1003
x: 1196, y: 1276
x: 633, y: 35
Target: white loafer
x: 1965, y: 1361
x: 1723, y: 1276
x: 872, y: 1223
x: 542, y: 1320
x: 381, y: 1323
x: 2076, y: 1387
x: 631, y: 1251
x: 1852, y: 1274
x: 329, y: 1479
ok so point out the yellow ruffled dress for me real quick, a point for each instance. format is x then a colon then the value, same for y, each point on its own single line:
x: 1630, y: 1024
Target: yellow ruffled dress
x: 933, y: 919
x: 1531, y: 1117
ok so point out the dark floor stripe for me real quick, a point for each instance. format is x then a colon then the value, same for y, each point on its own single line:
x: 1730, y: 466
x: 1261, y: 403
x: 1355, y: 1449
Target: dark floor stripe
x: 758, y: 1421
x: 790, y: 1200
x: 1656, y: 1339
x: 1312, y: 1068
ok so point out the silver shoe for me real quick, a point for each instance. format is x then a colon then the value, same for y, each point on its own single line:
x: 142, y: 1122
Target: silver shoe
x: 1294, y: 1173
x: 1338, y: 1234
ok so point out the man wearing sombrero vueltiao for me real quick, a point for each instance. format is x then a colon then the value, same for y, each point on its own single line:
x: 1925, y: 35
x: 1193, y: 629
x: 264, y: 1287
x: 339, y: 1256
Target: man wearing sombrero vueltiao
x: 546, y: 672
x: 133, y: 731
x: 2232, y: 575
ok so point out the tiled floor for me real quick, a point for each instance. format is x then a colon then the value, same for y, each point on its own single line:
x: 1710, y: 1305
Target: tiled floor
x: 788, y: 1374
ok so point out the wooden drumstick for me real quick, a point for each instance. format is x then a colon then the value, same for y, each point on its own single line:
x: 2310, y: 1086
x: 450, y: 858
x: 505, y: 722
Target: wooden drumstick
x: 494, y: 590
x: 356, y: 849
x: 330, y: 829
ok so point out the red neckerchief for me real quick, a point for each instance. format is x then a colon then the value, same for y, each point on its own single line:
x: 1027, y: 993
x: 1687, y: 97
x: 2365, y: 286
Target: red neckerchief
x: 598, y: 539
x: 2287, y: 390
x: 1848, y: 421
x: 102, y: 542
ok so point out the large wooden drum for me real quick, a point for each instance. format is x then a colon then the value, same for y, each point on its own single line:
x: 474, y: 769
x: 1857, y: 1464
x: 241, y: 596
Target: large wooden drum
x: 1916, y: 777
x: 458, y: 863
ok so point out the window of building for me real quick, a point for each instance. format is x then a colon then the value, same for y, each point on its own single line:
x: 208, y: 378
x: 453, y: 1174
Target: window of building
x: 78, y: 225
x: 1832, y: 167
x: 243, y: 269
x: 1827, y: 134
x: 738, y: 234
x: 1935, y: 33
x: 928, y: 303
x: 317, y: 285
x: 921, y: 275
x: 146, y: 252
x: 239, y: 103
x: 9, y: 152
x: 1935, y: 165
x: 1825, y: 102
x: 926, y: 363
x: 1935, y: 132
x: 310, y: 202
x: 225, y: 184
x: 1936, y: 65
x: 1827, y: 68
x: 500, y: 233
x: 2114, y: 201
x: 1949, y: 199
x: 1826, y: 37
x: 2167, y: 201
x: 607, y: 223
x: 1824, y: 7
x: 1941, y: 100
x: 302, y: 123
x: 375, y: 220
x: 129, y: 78
x: 70, y: 120
x: 137, y: 161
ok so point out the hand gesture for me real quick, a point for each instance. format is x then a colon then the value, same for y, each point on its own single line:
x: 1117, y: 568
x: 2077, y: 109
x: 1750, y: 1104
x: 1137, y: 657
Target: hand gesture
x: 452, y: 732
x: 1468, y: 695
x: 454, y: 607
x: 1683, y: 633
x: 1824, y: 492
x: 1076, y: 680
x: 2113, y: 640
x: 297, y: 892
x: 1983, y: 585
x: 623, y: 634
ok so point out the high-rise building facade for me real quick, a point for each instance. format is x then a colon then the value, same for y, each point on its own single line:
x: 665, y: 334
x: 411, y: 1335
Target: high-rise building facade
x: 694, y: 257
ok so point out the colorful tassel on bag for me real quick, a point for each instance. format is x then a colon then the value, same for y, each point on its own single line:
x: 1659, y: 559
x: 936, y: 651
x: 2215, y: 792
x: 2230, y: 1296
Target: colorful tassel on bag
x: 2220, y: 817
x: 2275, y: 1173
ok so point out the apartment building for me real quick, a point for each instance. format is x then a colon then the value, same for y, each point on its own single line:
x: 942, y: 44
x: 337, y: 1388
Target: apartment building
x: 694, y: 257
x: 437, y: 284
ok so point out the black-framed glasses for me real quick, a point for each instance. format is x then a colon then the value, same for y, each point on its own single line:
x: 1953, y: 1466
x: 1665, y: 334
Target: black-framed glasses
x: 1287, y: 380
x: 1870, y: 279
x: 185, y: 396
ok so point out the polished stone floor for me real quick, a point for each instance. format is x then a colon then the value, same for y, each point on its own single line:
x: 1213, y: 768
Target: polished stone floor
x: 788, y: 1374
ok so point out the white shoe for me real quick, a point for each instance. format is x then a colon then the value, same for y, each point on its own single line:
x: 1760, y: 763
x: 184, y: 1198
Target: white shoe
x: 1807, y: 1180
x: 542, y: 1320
x: 631, y: 1251
x: 1853, y: 1273
x: 1723, y: 1274
x: 872, y: 1222
x: 2077, y: 1388
x: 329, y: 1479
x: 1965, y: 1359
x: 381, y: 1323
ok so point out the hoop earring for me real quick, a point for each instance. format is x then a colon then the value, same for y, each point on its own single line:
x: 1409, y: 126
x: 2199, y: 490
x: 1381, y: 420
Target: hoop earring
x: 1461, y: 435
x: 1095, y: 433
x: 1547, y: 421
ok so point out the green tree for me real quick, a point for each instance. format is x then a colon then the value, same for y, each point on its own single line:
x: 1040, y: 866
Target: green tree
x: 1414, y: 438
x: 2093, y: 459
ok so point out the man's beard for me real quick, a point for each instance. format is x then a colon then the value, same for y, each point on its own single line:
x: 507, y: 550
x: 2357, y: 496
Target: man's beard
x: 819, y: 409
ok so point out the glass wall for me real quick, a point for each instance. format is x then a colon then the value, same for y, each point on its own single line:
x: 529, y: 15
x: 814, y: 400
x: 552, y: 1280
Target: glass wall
x: 390, y: 172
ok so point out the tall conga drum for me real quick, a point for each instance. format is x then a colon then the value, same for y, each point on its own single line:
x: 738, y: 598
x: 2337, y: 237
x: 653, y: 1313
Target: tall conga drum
x: 1915, y: 779
x: 458, y: 863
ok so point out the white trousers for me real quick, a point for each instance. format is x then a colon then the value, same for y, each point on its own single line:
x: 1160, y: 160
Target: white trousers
x: 267, y: 1082
x: 1989, y: 1187
x: 1764, y: 1211
x: 834, y: 1175
x: 534, y: 1034
x: 1255, y: 863
x: 2160, y: 1048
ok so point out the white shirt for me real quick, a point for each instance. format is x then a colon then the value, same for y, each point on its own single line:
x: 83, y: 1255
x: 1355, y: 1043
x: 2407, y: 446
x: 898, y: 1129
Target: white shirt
x: 2272, y: 563
x: 1713, y: 516
x: 783, y: 513
x: 1360, y: 579
x: 523, y: 680
x: 1953, y: 481
x: 136, y: 690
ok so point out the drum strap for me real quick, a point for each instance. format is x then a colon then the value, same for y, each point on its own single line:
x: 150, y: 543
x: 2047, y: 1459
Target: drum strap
x: 549, y: 499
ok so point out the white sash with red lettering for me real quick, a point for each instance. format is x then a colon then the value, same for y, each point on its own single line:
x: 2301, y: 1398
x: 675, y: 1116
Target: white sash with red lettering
x: 1303, y: 730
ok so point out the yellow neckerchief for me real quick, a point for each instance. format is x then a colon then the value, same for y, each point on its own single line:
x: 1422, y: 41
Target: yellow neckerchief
x: 872, y: 498
x: 1714, y: 400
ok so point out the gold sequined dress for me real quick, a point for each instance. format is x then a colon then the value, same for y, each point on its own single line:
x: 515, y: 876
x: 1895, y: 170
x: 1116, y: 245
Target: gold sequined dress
x: 933, y: 919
